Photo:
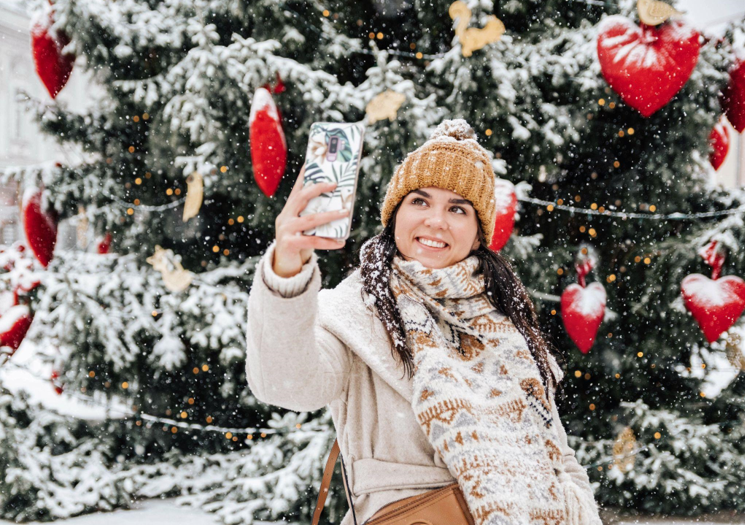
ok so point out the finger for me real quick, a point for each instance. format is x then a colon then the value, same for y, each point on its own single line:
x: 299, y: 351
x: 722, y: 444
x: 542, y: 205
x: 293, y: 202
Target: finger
x: 305, y: 223
x: 301, y: 241
x: 308, y: 193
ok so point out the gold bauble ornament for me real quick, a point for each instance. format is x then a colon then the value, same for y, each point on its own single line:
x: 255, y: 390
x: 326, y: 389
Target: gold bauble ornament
x: 474, y: 38
x: 194, y: 195
x: 175, y: 277
x: 623, y: 450
x: 384, y: 106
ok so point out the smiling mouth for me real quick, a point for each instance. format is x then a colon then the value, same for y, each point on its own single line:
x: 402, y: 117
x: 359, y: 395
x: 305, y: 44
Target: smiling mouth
x: 431, y: 244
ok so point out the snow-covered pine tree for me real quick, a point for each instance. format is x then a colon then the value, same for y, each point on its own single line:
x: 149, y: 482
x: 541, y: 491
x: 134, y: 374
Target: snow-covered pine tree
x: 180, y: 77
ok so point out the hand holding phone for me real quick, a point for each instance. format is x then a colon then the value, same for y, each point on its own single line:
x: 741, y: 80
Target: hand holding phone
x: 333, y: 156
x: 294, y: 248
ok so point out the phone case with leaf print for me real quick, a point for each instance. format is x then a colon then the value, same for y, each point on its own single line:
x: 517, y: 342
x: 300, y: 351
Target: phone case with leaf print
x: 334, y: 151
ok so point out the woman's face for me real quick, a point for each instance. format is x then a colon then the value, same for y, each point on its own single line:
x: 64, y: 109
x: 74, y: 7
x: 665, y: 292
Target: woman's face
x: 436, y: 227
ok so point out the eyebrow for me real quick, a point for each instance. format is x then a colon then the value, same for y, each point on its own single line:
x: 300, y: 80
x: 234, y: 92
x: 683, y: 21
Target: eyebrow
x: 451, y: 200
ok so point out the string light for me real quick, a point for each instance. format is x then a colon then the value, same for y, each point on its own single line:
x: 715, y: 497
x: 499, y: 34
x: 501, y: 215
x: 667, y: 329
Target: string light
x: 127, y: 413
x: 675, y: 216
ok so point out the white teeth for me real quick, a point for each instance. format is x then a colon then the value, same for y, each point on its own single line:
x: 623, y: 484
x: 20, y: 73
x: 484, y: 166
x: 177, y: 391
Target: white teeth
x: 430, y: 243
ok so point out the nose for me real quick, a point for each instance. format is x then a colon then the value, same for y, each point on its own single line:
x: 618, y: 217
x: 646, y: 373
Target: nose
x: 436, y: 220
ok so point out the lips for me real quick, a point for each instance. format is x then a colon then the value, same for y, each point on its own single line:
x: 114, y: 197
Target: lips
x: 431, y: 243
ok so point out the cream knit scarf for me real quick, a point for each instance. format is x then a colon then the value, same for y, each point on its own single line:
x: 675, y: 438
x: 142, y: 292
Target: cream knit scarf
x: 479, y: 398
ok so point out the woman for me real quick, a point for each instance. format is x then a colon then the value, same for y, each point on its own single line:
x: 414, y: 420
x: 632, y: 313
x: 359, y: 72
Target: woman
x: 429, y: 355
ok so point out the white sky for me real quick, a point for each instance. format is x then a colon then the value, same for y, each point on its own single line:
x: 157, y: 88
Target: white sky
x: 707, y: 14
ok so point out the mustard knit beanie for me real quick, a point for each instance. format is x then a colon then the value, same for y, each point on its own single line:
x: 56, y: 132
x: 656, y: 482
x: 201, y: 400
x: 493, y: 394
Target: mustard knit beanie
x: 451, y: 159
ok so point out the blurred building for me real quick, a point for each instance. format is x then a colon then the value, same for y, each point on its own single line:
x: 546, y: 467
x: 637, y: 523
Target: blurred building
x: 21, y: 143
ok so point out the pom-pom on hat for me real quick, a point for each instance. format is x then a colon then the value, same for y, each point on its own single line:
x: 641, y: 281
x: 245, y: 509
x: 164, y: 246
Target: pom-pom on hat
x: 451, y: 159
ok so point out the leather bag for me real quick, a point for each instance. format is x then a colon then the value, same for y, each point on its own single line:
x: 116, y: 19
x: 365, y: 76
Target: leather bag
x: 443, y: 506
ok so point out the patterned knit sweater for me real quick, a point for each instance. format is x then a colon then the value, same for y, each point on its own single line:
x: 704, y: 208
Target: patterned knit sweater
x: 479, y: 398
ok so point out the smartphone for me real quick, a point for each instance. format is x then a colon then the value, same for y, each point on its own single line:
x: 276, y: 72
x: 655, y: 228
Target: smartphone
x: 334, y: 151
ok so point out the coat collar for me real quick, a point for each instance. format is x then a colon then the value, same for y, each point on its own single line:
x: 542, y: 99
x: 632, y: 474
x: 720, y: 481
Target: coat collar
x: 343, y: 312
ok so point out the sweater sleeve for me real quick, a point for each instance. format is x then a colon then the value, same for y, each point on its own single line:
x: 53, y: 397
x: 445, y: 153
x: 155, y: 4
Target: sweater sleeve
x: 291, y: 361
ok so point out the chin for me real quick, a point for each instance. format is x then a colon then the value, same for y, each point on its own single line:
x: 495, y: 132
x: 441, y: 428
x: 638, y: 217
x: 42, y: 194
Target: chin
x: 433, y: 263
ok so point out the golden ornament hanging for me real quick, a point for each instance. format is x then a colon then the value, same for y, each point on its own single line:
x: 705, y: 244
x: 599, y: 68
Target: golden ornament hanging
x: 474, y: 38
x: 384, y: 106
x: 654, y: 13
x: 733, y: 349
x: 623, y: 450
x: 194, y: 195
x: 175, y: 277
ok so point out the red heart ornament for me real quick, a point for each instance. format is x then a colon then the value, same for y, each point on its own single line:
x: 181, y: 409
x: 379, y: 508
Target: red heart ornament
x: 646, y: 65
x: 13, y: 326
x: 506, y: 205
x: 582, y: 311
x: 268, y: 146
x: 715, y: 304
x: 719, y: 142
x: 52, y: 66
x: 40, y: 226
x: 733, y: 98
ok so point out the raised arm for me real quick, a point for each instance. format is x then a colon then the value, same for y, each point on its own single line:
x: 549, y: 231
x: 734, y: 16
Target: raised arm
x: 292, y: 362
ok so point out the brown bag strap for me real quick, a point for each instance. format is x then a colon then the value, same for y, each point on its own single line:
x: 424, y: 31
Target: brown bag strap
x: 326, y: 481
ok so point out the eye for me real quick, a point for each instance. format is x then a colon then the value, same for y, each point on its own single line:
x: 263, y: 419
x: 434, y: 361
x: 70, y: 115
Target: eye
x: 461, y: 209
x: 415, y: 200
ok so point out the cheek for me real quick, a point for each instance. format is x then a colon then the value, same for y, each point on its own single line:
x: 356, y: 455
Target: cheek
x: 467, y: 231
x: 404, y: 226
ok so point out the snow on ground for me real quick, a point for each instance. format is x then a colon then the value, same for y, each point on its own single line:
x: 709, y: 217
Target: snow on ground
x: 166, y: 512
x: 147, y: 512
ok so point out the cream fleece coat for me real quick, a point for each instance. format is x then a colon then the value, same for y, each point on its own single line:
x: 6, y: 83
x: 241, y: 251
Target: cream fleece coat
x: 309, y: 348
